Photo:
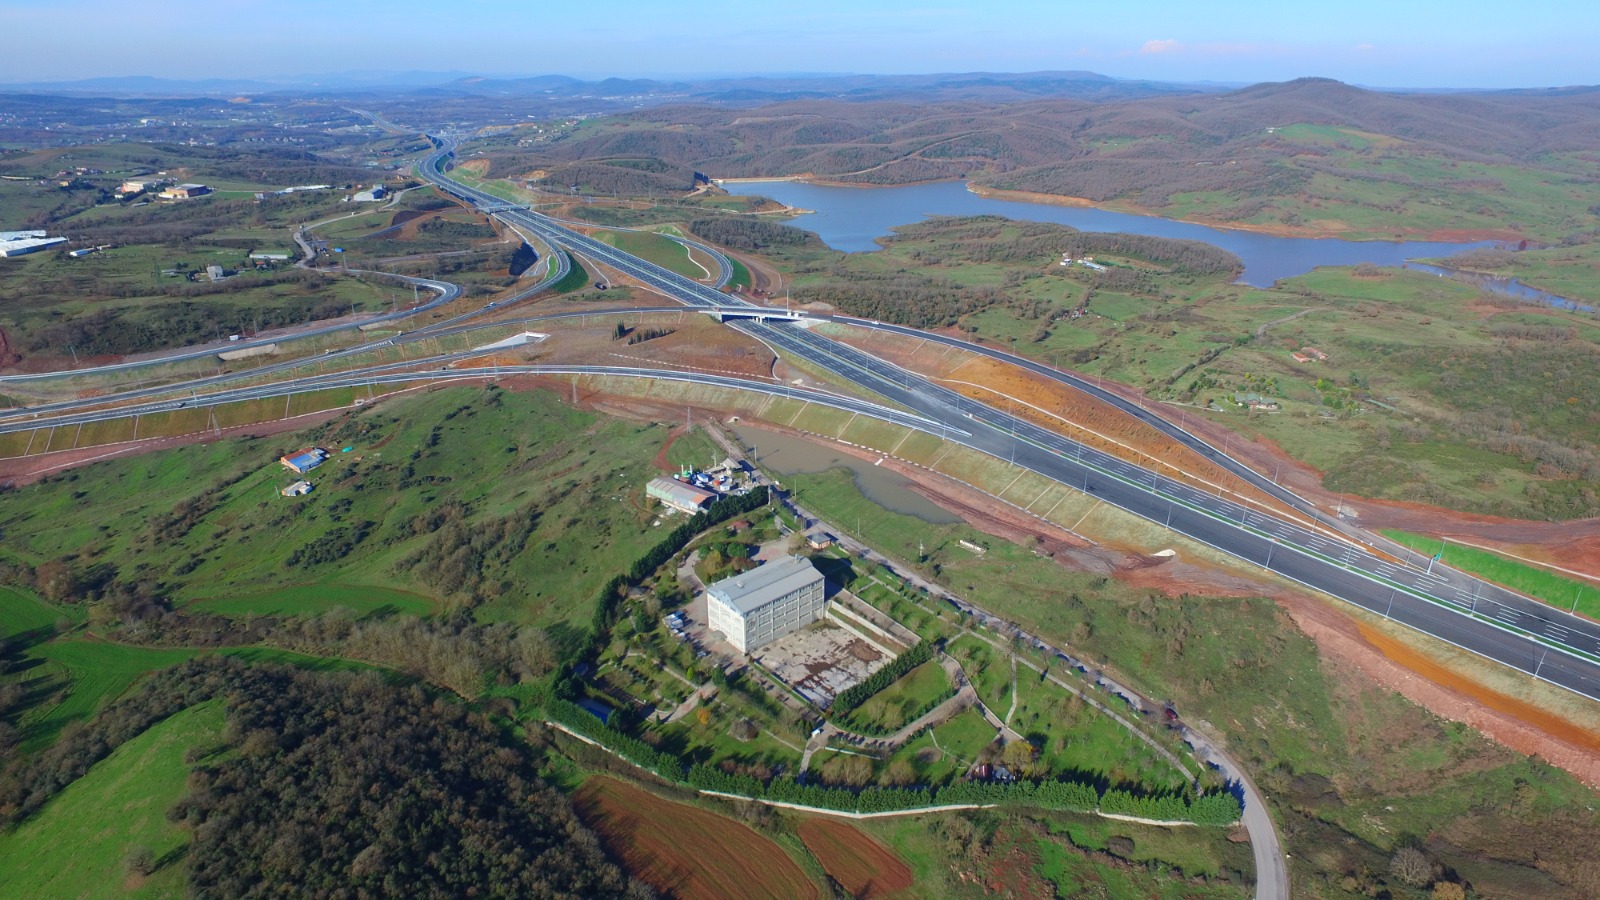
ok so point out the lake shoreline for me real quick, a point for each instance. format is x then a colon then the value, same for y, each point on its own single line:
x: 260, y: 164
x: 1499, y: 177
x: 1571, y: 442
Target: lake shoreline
x: 1437, y: 235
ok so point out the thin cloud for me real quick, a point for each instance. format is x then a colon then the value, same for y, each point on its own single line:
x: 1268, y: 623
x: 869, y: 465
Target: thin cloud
x: 1163, y: 46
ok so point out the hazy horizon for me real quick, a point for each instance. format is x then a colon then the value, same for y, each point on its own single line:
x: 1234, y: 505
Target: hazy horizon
x: 1464, y: 45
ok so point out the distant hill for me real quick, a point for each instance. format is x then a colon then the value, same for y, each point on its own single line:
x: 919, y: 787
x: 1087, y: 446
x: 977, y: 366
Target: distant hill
x: 1311, y: 153
x: 745, y: 90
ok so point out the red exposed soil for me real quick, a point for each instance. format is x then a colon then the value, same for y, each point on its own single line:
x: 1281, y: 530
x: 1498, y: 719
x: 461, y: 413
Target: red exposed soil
x: 1573, y: 545
x: 684, y: 851
x: 660, y: 462
x: 1438, y: 674
x: 1424, y: 681
x: 865, y: 868
x: 1056, y: 407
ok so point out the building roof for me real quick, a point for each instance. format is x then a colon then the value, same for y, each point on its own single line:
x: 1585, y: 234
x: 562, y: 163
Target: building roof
x: 678, y: 492
x: 24, y: 245
x: 749, y: 591
x: 306, y: 459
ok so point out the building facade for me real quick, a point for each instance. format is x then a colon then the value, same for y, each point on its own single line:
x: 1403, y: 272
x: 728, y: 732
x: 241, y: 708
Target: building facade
x: 757, y: 607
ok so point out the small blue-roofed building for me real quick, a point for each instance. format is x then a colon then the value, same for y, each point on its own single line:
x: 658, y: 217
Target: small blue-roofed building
x: 305, y: 460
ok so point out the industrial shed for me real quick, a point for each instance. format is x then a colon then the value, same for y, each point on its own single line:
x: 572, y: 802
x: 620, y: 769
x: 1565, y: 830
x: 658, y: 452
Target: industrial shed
x: 304, y: 461
x: 682, y: 497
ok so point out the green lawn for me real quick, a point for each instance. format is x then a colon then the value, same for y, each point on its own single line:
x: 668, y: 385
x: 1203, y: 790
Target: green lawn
x: 576, y: 279
x: 1538, y: 583
x: 93, y: 673
x: 741, y: 274
x: 76, y: 846
x: 21, y: 611
x: 964, y: 736
x: 655, y: 248
x: 901, y: 702
x: 989, y: 670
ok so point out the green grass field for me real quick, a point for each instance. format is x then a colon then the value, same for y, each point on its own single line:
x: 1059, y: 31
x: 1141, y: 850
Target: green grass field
x: 898, y: 704
x: 87, y: 675
x: 655, y: 248
x: 576, y: 478
x: 21, y: 611
x: 1541, y: 584
x: 576, y: 279
x: 77, y: 845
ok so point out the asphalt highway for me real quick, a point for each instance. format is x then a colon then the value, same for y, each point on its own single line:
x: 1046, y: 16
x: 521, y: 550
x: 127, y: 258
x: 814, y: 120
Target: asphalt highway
x: 39, y: 416
x: 383, y: 375
x: 1437, y: 580
x: 445, y: 290
x: 1468, y: 613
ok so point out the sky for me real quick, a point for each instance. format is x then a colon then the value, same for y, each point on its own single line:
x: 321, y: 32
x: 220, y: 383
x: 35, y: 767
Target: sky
x: 1379, y: 43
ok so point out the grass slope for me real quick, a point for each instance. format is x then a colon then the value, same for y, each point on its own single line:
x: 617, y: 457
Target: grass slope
x: 76, y: 845
x: 208, y: 520
x: 1352, y: 768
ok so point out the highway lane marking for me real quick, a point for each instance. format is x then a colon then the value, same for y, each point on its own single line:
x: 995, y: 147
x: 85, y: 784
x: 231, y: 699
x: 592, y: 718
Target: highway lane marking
x: 1086, y: 515
x: 609, y: 254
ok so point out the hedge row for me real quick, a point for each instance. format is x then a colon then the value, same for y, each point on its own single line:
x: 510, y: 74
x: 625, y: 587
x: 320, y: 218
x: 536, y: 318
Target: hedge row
x: 605, y: 609
x: 858, y: 694
x: 629, y: 748
x: 1208, y: 809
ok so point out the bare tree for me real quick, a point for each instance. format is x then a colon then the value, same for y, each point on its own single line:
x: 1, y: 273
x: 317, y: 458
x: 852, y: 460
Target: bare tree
x: 1410, y: 865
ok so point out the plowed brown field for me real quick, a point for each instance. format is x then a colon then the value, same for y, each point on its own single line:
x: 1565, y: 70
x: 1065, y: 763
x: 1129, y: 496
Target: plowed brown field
x: 684, y: 851
x: 865, y: 868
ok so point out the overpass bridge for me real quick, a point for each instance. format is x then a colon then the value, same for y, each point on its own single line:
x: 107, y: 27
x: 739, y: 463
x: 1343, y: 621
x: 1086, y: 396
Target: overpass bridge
x: 758, y: 313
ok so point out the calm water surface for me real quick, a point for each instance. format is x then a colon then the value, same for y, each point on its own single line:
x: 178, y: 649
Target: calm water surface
x: 787, y: 455
x: 852, y: 219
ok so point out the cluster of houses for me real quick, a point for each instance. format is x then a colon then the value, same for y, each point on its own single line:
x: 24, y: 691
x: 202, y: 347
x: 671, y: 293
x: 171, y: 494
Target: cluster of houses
x: 1087, y: 262
x: 1309, y: 354
x: 300, y: 462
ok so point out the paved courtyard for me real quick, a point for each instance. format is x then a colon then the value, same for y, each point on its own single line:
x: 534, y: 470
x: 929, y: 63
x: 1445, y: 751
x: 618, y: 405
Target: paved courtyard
x: 821, y: 660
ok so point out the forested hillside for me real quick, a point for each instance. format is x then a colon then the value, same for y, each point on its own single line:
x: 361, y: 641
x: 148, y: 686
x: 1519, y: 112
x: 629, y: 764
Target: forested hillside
x: 343, y: 785
x: 1311, y: 153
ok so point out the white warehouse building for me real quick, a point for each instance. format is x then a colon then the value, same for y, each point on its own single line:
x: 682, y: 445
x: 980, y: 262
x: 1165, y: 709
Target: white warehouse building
x: 757, y: 607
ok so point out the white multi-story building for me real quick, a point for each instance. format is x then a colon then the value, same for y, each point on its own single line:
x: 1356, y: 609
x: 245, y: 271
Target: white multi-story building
x: 757, y: 607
